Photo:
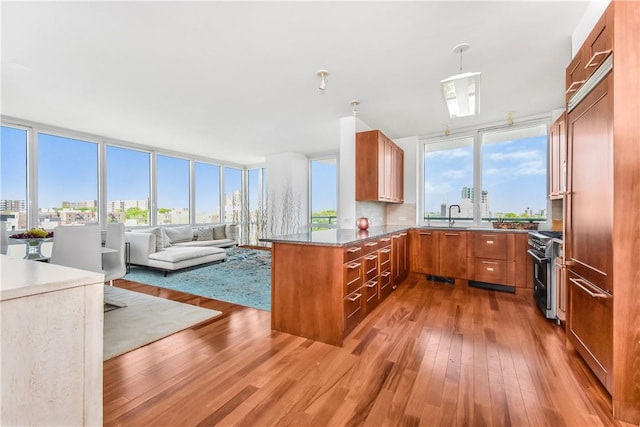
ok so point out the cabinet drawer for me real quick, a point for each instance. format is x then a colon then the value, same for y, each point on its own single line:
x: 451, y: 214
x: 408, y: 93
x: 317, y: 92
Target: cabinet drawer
x: 370, y: 295
x: 370, y: 265
x: 352, y: 252
x: 352, y: 276
x: 384, y: 255
x: 370, y: 246
x: 491, y: 271
x: 385, y: 284
x: 491, y: 245
x: 352, y: 311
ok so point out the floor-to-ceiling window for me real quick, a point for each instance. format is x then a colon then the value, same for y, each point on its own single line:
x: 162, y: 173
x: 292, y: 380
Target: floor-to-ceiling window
x: 67, y: 181
x: 487, y: 175
x: 324, y: 192
x: 256, y: 222
x: 13, y: 177
x: 232, y: 195
x: 128, y: 185
x: 172, y: 178
x: 207, y: 192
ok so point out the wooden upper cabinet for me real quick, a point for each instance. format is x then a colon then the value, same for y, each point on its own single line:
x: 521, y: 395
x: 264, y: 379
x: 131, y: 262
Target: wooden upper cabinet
x: 558, y: 158
x: 596, y: 48
x: 379, y: 168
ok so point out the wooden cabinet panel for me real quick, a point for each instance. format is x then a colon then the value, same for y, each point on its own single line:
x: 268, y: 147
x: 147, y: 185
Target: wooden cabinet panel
x: 452, y: 247
x: 353, y: 311
x: 589, y: 229
x: 379, y: 168
x: 599, y: 44
x: 490, y: 271
x: 424, y: 252
x: 352, y: 276
x: 400, y: 255
x: 558, y: 159
x: 385, y: 284
x: 384, y: 256
x: 352, y: 252
x: 576, y: 75
x: 370, y: 295
x: 491, y: 245
x: 370, y: 266
x: 590, y: 327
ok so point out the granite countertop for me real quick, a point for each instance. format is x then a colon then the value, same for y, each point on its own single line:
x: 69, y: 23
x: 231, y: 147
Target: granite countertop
x: 337, y: 236
x: 342, y: 237
x: 21, y: 277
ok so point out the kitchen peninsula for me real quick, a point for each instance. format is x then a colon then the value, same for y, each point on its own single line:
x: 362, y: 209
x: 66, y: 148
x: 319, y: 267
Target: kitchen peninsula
x: 326, y: 282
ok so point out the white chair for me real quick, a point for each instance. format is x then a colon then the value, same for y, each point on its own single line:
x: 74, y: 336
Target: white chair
x: 77, y: 247
x: 4, y: 238
x: 113, y: 263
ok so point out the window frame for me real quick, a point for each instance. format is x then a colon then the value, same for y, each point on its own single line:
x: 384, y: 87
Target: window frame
x: 476, y: 133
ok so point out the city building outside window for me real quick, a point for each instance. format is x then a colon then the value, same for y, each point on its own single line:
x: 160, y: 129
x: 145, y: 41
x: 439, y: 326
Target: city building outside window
x: 13, y: 177
x: 128, y: 184
x: 172, y: 177
x: 207, y: 193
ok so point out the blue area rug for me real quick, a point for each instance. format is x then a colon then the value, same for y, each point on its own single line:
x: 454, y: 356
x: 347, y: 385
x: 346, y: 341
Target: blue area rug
x: 244, y: 279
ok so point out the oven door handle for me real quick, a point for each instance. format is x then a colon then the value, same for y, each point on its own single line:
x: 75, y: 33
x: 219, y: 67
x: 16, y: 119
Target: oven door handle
x: 537, y: 258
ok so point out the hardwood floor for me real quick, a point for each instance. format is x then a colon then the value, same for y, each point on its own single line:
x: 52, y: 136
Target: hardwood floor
x: 431, y: 354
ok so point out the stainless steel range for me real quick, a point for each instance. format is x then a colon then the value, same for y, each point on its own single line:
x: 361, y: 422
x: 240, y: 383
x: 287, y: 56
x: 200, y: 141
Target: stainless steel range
x: 543, y: 252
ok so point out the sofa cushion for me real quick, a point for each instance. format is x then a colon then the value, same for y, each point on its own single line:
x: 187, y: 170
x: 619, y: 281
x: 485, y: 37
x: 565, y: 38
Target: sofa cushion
x: 183, y: 233
x: 205, y: 243
x: 219, y: 231
x: 162, y: 240
x: 205, y: 233
x: 177, y: 254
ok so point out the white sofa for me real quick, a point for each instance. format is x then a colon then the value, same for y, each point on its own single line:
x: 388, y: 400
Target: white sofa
x: 171, y: 248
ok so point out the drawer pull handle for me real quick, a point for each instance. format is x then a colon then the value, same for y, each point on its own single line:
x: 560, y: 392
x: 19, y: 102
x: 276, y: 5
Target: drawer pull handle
x: 489, y: 262
x: 397, y: 236
x: 584, y: 285
x: 572, y: 89
x: 489, y: 235
x: 385, y: 239
x: 385, y: 251
x: 424, y: 234
x: 354, y: 250
x: 592, y: 62
x: 403, y: 234
x: 451, y: 234
x: 354, y: 265
x: 371, y: 257
x: 489, y: 242
x: 371, y: 244
x: 386, y: 274
x: 489, y: 268
x: 354, y: 298
x: 372, y: 284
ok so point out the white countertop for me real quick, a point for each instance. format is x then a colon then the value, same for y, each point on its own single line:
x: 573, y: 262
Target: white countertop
x: 21, y: 277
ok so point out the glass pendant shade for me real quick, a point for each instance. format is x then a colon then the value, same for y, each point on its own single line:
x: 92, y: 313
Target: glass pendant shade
x: 462, y: 94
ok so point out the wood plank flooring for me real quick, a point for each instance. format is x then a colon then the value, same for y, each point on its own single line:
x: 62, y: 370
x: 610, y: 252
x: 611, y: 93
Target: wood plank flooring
x: 430, y: 355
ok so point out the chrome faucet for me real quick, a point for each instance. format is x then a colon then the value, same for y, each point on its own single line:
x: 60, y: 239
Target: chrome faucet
x: 451, y: 222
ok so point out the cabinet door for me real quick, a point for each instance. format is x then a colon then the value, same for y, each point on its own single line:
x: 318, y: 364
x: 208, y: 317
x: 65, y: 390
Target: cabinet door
x: 576, y: 75
x: 425, y: 252
x: 557, y: 159
x: 590, y: 326
x: 453, y: 254
x: 400, y: 263
x: 397, y: 175
x: 589, y: 221
x: 491, y: 245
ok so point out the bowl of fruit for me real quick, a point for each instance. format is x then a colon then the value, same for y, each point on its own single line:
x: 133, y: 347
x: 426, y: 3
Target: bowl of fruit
x: 33, y: 238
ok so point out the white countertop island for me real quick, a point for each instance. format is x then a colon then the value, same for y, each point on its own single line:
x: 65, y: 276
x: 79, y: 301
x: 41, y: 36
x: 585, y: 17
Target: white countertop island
x: 51, y: 344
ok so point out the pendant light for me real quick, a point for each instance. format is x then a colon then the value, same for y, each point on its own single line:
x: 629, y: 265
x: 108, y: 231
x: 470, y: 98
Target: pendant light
x: 462, y: 91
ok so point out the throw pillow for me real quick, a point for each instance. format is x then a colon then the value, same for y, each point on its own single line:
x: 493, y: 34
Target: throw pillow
x: 162, y: 240
x: 205, y: 233
x: 218, y: 232
x: 180, y: 234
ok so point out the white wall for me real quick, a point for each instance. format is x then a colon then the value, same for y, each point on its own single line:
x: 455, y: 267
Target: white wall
x: 287, y: 193
x: 585, y: 25
x: 347, y: 206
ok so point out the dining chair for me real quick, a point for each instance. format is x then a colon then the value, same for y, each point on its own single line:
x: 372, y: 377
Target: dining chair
x: 4, y: 238
x: 77, y: 247
x: 113, y: 263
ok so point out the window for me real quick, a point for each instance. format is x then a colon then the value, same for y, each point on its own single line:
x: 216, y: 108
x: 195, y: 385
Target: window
x: 514, y: 174
x: 207, y: 183
x: 13, y: 177
x: 232, y: 195
x: 257, y: 209
x: 67, y: 181
x: 324, y: 198
x: 172, y: 177
x: 448, y: 179
x: 498, y: 173
x: 128, y: 186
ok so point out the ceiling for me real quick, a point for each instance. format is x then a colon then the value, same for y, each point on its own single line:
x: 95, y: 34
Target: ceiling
x: 236, y: 81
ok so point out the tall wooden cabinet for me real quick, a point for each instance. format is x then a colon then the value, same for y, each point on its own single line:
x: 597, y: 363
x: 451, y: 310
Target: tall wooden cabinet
x: 379, y: 168
x: 558, y: 158
x: 602, y: 238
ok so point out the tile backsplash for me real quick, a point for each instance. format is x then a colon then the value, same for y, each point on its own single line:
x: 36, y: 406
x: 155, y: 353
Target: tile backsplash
x: 375, y: 211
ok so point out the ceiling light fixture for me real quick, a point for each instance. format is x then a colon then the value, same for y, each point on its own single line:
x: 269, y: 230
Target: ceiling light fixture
x: 323, y: 80
x: 462, y: 91
x: 354, y: 107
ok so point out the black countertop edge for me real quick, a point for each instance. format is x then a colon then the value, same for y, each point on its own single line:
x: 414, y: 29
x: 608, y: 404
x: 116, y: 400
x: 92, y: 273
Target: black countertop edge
x: 343, y: 237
